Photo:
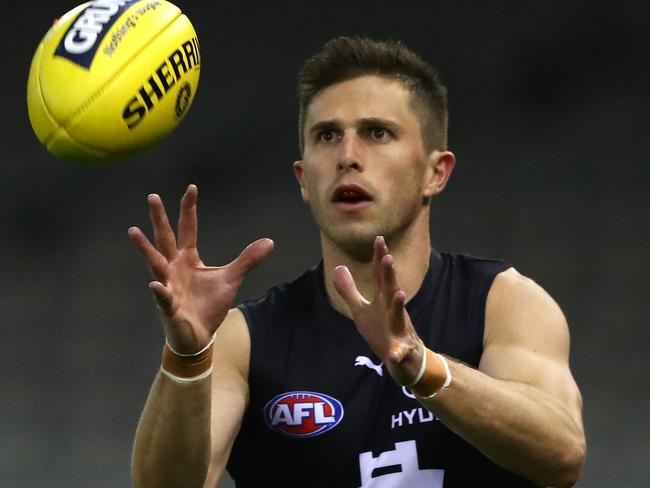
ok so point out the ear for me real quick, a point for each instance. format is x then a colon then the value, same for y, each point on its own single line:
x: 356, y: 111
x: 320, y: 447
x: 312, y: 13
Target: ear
x: 440, y: 164
x: 299, y: 172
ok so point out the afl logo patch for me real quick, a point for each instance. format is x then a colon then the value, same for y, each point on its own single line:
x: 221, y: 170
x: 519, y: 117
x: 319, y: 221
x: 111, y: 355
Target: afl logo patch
x: 303, y: 413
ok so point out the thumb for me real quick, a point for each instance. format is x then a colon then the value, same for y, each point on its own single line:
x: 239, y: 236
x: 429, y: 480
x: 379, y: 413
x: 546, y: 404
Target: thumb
x: 163, y: 297
x: 250, y: 257
x: 347, y: 289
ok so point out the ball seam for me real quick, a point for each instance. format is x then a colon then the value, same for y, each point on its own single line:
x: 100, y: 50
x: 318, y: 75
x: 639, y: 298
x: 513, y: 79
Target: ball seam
x: 46, y: 107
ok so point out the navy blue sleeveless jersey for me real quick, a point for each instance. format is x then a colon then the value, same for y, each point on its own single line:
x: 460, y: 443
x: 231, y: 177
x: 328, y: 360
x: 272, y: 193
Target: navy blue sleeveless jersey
x: 323, y: 410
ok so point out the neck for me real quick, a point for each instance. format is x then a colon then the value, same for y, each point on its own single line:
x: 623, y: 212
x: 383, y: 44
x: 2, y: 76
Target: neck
x: 410, y: 250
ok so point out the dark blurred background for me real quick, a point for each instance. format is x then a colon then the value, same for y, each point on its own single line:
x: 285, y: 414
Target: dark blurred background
x: 549, y: 120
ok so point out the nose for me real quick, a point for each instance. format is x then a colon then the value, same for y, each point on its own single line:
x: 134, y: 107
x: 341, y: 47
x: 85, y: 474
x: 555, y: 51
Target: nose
x: 349, y: 156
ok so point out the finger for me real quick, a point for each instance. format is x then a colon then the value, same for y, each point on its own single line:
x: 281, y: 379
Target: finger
x: 379, y: 251
x: 250, y: 257
x: 157, y: 262
x: 347, y: 289
x: 397, y: 322
x: 187, y: 221
x: 389, y: 284
x: 397, y: 314
x: 162, y: 230
x: 163, y: 297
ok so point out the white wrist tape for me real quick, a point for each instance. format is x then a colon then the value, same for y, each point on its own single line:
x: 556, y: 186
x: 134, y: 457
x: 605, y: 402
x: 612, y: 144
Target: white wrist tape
x: 194, y: 379
x: 423, y: 367
x: 210, y: 342
x: 187, y: 368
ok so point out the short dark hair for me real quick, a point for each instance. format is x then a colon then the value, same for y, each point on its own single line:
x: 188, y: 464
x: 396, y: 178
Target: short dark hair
x: 346, y: 58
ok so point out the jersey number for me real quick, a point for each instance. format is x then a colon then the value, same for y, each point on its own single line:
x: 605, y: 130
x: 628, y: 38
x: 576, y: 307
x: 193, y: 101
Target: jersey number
x: 397, y: 468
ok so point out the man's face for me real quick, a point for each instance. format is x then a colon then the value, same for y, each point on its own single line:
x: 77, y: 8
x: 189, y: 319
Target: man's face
x: 364, y: 171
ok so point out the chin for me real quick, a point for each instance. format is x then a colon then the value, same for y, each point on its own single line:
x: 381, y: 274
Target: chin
x: 354, y: 242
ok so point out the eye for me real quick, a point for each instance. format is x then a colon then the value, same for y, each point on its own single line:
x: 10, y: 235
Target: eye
x: 379, y: 133
x: 328, y: 135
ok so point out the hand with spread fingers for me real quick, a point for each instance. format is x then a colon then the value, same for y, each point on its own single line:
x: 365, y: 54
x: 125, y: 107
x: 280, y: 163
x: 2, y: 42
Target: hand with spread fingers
x: 193, y: 299
x: 384, y: 322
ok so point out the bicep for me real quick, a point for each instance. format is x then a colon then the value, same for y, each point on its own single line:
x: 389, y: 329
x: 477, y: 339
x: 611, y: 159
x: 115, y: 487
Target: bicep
x: 527, y: 339
x: 229, y: 390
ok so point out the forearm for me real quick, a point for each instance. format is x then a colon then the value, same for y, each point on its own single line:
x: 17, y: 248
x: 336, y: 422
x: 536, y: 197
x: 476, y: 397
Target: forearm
x: 172, y: 443
x: 518, y: 426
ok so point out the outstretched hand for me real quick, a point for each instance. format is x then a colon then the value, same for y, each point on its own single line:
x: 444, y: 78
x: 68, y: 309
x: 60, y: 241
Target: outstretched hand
x: 383, y: 322
x: 193, y: 299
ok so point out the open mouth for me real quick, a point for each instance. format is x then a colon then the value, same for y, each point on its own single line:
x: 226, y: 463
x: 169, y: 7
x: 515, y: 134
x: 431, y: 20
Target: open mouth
x: 350, y: 194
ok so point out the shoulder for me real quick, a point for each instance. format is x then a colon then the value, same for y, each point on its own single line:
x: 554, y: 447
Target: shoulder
x: 527, y: 339
x: 526, y: 333
x: 520, y: 310
x: 231, y: 347
x: 247, y: 323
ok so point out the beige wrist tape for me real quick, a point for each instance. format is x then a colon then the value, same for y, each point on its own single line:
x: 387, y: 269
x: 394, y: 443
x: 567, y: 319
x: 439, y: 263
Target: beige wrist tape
x: 434, y: 375
x: 187, y: 368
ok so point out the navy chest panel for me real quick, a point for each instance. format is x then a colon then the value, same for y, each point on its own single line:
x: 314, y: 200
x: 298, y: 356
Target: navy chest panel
x: 344, y: 372
x: 323, y: 407
x: 295, y: 409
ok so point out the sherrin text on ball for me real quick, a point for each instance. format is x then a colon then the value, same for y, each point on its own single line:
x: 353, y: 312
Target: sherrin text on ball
x: 112, y: 77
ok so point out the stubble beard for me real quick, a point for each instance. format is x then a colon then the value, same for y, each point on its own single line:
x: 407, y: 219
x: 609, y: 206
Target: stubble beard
x: 356, y: 239
x: 355, y: 243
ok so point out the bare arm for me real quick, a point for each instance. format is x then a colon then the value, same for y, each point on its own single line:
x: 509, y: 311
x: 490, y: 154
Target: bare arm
x: 186, y: 432
x: 229, y: 391
x: 172, y: 440
x: 522, y: 408
x: 176, y: 443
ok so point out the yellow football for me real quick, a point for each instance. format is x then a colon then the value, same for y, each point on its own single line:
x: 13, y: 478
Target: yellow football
x: 112, y: 77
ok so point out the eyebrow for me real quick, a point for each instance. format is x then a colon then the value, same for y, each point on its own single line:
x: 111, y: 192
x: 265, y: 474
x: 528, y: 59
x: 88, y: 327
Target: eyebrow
x: 379, y: 122
x: 325, y: 125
